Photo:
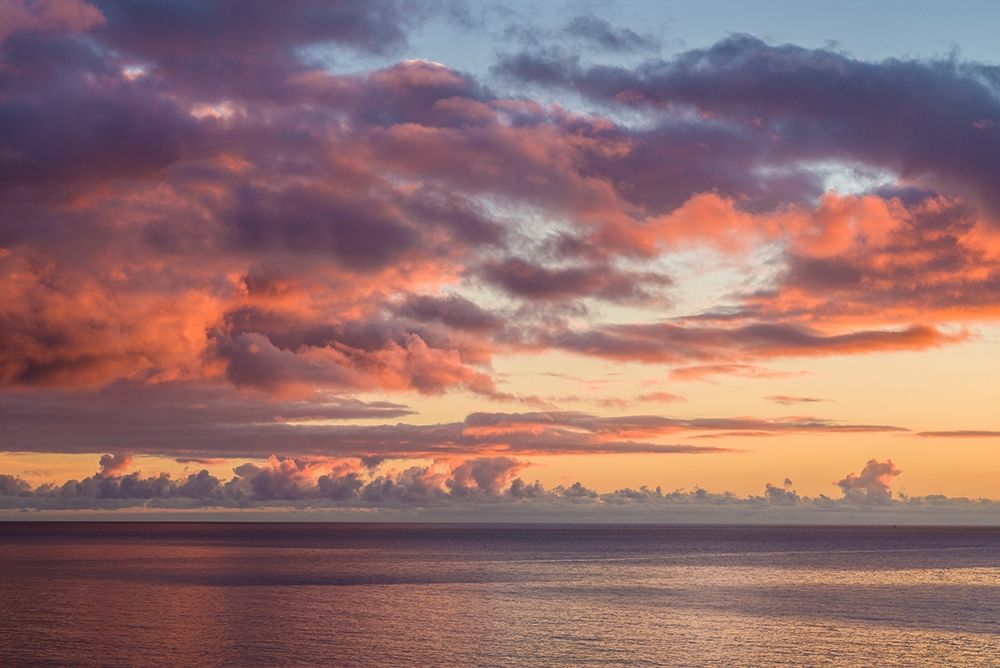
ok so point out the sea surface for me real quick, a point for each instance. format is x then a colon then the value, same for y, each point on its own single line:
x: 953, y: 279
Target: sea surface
x: 239, y: 594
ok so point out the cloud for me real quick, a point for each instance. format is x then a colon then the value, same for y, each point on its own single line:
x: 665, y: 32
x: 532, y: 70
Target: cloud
x: 660, y: 397
x: 601, y: 33
x: 192, y: 422
x: 278, y: 479
x: 817, y: 101
x: 476, y: 489
x: 186, y: 420
x: 652, y: 424
x: 453, y: 311
x: 284, y: 479
x: 960, y: 433
x: 787, y: 400
x: 13, y: 486
x: 489, y: 474
x: 704, y: 371
x: 669, y: 342
x: 78, y: 313
x: 279, y: 210
x: 533, y: 281
x: 918, y: 250
x: 199, y: 223
x: 872, y: 485
x: 252, y: 360
x: 921, y: 256
x: 584, y: 31
x: 112, y: 465
x: 215, y: 47
x: 618, y: 403
x: 361, y: 233
x: 780, y: 496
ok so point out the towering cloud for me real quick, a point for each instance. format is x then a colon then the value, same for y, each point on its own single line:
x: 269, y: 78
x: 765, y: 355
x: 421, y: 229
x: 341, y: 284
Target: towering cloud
x: 112, y: 465
x: 872, y: 485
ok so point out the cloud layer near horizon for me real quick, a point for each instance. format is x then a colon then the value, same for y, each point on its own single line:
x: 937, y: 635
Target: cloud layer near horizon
x: 480, y: 488
x: 197, y: 421
x: 211, y: 241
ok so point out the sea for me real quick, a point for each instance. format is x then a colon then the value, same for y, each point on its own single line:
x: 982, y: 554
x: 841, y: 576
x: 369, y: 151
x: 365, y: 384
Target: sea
x: 295, y: 594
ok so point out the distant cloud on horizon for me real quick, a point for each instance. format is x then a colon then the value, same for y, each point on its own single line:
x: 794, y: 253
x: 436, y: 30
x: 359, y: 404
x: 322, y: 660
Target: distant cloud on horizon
x: 481, y: 489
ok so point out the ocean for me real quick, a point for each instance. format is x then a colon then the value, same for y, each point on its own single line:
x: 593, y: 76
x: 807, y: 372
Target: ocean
x: 241, y: 594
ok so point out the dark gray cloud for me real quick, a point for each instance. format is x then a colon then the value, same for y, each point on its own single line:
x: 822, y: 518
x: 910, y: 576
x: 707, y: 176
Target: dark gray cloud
x: 197, y: 421
x: 530, y: 280
x: 601, y: 33
x: 452, y: 311
x: 820, y: 104
x: 585, y: 32
x: 359, y: 233
x: 671, y: 342
x: 13, y: 485
x: 163, y: 26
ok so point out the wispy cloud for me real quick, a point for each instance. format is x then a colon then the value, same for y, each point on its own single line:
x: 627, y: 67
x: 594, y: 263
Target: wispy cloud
x: 960, y: 433
x: 787, y: 400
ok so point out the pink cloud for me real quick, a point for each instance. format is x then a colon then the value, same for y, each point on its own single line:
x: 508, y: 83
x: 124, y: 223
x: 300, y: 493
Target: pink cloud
x: 872, y: 485
x: 47, y: 16
x: 115, y: 464
x: 324, y: 234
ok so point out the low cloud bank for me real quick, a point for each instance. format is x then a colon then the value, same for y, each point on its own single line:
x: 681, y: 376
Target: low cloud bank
x: 481, y: 489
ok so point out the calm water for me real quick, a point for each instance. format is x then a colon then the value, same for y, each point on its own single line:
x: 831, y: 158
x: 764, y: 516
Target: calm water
x: 447, y: 595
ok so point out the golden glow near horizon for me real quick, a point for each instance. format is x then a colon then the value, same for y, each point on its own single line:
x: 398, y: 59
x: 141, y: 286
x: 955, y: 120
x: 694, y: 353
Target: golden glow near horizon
x: 893, y: 389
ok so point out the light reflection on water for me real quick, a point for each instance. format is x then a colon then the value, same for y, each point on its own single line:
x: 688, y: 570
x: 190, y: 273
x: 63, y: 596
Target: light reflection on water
x: 375, y: 595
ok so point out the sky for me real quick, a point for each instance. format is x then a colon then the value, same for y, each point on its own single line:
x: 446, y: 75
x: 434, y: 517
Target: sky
x: 637, y: 261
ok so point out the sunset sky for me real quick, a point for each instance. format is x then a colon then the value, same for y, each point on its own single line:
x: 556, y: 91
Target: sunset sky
x: 466, y: 260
